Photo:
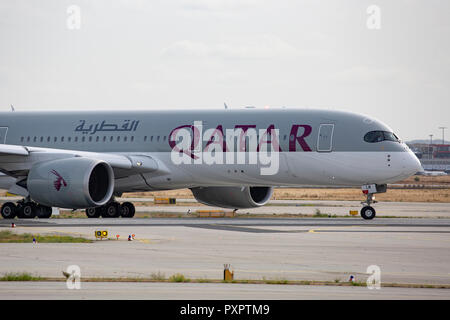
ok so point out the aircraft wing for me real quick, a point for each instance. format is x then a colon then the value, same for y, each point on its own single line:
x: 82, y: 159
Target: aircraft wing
x: 16, y: 161
x: 13, y: 150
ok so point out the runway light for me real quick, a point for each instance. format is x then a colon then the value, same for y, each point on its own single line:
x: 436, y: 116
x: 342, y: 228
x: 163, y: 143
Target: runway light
x: 13, y: 225
x: 117, y: 236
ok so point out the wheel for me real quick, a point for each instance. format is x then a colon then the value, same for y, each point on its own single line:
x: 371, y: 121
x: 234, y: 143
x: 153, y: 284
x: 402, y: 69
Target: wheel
x: 8, y: 210
x: 43, y: 212
x: 128, y: 210
x: 111, y: 210
x: 27, y: 210
x: 368, y: 213
x: 93, y: 212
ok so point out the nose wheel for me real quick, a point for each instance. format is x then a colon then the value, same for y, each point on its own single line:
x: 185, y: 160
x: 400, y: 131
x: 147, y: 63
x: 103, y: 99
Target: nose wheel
x: 368, y: 212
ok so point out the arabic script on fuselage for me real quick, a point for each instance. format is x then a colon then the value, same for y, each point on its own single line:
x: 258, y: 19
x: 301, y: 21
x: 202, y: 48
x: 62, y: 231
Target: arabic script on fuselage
x: 126, y: 126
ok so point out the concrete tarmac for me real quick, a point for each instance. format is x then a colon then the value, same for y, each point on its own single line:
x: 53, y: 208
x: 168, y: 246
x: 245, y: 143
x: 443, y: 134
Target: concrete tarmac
x: 307, y: 207
x: 406, y: 250
x: 206, y: 291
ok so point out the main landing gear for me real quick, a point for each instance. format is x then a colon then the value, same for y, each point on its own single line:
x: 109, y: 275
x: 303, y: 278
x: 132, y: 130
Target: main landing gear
x: 368, y: 212
x: 112, y: 210
x: 25, y: 209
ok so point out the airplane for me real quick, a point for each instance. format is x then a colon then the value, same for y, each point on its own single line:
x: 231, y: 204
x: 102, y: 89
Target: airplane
x: 432, y: 173
x: 227, y: 158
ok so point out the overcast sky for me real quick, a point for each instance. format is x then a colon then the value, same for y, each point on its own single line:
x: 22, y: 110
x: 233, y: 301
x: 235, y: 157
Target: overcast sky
x: 391, y: 62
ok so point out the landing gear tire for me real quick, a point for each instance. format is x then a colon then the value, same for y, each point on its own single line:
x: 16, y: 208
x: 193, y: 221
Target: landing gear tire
x: 27, y: 210
x: 93, y: 212
x: 8, y: 210
x: 111, y: 210
x: 43, y: 212
x: 128, y: 210
x: 368, y: 213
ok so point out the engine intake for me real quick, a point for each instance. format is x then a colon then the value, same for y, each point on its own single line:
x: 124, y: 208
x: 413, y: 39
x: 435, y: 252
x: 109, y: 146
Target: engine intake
x: 233, y: 197
x: 71, y: 183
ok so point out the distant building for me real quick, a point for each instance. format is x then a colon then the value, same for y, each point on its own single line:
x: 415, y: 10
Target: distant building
x: 434, y: 157
x: 431, y: 151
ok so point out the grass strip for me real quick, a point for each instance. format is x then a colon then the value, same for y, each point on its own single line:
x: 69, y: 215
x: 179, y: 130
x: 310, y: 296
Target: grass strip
x: 181, y: 278
x: 20, y: 276
x: 10, y: 237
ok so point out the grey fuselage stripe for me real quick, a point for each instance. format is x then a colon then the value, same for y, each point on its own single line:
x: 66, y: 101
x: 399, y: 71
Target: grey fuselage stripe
x: 148, y: 131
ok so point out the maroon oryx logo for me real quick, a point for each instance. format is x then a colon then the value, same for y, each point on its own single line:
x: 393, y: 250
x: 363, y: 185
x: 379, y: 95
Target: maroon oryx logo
x: 59, y: 181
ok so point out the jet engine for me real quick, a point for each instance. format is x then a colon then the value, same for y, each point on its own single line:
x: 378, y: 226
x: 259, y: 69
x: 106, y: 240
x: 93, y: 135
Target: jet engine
x: 71, y: 183
x: 233, y: 197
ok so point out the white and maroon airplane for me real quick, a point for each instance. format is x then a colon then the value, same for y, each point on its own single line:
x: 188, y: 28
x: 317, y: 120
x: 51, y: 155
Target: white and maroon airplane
x: 228, y: 158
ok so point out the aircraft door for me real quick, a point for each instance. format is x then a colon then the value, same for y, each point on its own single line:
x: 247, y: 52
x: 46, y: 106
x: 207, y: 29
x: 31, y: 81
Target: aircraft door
x: 3, y: 131
x: 325, y: 138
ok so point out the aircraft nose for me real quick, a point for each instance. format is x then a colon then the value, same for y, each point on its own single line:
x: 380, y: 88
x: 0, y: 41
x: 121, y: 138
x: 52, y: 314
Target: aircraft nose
x: 411, y: 163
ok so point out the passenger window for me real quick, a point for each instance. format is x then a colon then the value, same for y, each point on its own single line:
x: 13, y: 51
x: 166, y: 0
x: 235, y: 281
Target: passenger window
x: 76, y: 139
x: 21, y: 139
x: 90, y: 139
x: 34, y: 139
x: 69, y: 139
x: 42, y: 139
x: 125, y: 138
x: 83, y: 139
x: 118, y: 138
x: 132, y: 138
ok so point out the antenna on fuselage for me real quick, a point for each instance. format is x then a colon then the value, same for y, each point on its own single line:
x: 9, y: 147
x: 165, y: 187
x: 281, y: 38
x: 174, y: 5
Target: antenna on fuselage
x: 225, y: 105
x: 12, y: 108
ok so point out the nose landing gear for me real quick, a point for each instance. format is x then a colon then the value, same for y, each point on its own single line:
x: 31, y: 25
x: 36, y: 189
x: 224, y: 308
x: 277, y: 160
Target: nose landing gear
x: 368, y: 212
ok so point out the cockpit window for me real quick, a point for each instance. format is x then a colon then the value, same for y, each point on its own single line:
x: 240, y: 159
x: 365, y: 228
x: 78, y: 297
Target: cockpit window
x: 378, y: 136
x: 390, y: 136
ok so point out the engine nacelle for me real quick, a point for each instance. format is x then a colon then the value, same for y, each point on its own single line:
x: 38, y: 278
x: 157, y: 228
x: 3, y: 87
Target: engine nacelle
x: 233, y: 197
x: 71, y: 183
